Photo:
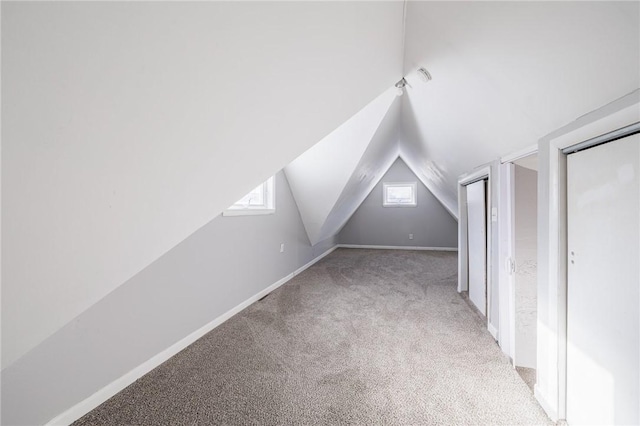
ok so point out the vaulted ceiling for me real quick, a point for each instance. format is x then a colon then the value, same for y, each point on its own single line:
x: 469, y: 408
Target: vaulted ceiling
x: 328, y: 180
x: 146, y: 120
x: 505, y: 74
x: 127, y: 126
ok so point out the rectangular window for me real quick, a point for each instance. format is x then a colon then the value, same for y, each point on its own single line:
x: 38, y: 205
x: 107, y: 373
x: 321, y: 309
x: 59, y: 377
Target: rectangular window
x: 401, y: 194
x: 260, y: 200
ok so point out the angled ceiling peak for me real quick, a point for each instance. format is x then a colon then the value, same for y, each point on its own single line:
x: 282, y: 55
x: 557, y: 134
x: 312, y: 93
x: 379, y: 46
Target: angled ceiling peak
x: 344, y: 162
x: 505, y: 74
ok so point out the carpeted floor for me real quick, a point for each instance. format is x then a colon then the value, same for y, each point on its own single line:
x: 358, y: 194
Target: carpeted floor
x: 528, y: 375
x: 362, y: 337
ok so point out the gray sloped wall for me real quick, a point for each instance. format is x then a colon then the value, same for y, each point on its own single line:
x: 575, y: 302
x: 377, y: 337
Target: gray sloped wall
x: 221, y: 265
x: 373, y: 224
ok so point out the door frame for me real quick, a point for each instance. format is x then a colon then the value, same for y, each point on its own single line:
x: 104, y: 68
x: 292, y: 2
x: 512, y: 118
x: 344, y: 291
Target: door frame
x: 550, y: 388
x: 481, y: 173
x: 506, y: 231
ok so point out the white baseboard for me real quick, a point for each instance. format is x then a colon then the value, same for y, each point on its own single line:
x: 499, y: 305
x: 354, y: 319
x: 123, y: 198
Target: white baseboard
x: 552, y: 413
x: 358, y: 246
x: 493, y: 331
x: 88, y: 404
x: 315, y: 260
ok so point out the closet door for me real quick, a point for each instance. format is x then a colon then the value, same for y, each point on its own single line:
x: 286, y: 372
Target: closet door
x: 603, y: 299
x: 477, y: 232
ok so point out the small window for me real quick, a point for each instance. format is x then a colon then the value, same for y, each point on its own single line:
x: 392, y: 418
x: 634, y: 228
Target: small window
x: 261, y: 200
x: 399, y: 194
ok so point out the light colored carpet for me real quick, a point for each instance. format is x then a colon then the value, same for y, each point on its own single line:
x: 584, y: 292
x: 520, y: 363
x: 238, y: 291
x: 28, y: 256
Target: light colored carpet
x: 362, y: 337
x: 528, y: 375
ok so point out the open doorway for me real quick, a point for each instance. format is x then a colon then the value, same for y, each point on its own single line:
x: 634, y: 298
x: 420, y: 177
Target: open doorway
x: 477, y: 217
x: 477, y: 240
x: 525, y: 266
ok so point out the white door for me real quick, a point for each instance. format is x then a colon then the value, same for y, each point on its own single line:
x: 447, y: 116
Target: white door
x: 603, y: 299
x: 477, y: 231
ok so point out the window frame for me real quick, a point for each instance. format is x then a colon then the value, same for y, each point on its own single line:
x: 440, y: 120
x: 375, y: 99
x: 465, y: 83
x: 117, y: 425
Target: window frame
x: 268, y: 207
x: 414, y: 194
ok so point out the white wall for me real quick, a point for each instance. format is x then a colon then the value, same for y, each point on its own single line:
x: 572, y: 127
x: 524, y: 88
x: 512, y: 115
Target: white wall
x: 128, y: 126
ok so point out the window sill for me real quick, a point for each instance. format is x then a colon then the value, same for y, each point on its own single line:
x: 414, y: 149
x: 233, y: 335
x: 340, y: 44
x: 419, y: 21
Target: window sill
x: 248, y: 212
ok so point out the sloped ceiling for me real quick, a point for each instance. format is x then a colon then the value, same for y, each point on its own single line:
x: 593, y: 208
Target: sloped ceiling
x: 505, y: 74
x: 376, y: 160
x: 337, y: 165
x: 129, y: 125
